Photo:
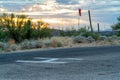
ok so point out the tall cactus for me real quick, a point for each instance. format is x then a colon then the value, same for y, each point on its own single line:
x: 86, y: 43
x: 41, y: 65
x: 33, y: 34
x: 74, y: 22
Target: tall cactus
x: 90, y: 21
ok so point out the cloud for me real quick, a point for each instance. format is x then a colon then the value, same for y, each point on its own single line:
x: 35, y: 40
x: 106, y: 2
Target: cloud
x: 102, y: 11
x: 21, y: 1
x: 67, y: 1
x: 3, y: 10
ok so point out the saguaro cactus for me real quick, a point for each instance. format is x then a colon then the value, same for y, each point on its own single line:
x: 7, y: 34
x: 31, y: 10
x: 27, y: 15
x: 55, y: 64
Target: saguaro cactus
x: 90, y: 21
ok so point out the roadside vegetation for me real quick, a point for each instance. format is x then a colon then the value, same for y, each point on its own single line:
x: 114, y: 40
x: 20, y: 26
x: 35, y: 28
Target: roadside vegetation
x: 18, y: 32
x: 20, y: 27
x: 116, y: 27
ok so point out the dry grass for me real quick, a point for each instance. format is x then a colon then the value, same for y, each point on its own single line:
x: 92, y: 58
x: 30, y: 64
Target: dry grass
x: 57, y: 42
x: 11, y: 41
x: 54, y: 42
x: 65, y: 41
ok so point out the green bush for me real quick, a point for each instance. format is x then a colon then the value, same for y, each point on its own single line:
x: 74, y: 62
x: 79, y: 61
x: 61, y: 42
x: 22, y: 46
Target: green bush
x: 20, y: 28
x: 59, y: 44
x: 1, y: 49
x: 73, y: 32
x: 117, y: 27
x: 4, y: 46
x: 83, y: 39
x: 4, y: 35
x: 93, y: 35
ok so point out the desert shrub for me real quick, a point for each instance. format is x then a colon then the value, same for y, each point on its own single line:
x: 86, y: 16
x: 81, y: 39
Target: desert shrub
x: 73, y: 32
x: 83, y: 39
x: 45, y: 32
x: 52, y: 42
x: 90, y: 39
x: 62, y: 33
x: 1, y: 49
x: 59, y: 44
x: 30, y: 44
x: 56, y: 43
x: 112, y: 38
x: 47, y: 42
x: 25, y: 44
x: 14, y: 47
x: 63, y: 41
x: 93, y: 35
x: 19, y: 28
x: 80, y: 39
x: 102, y: 38
x: 3, y: 45
x: 116, y: 27
x: 11, y: 41
x: 82, y: 30
x: 35, y: 44
x: 66, y: 41
x: 4, y: 36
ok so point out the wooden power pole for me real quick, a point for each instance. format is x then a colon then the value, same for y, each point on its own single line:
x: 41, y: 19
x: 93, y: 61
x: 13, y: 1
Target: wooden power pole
x: 98, y: 27
x: 90, y: 21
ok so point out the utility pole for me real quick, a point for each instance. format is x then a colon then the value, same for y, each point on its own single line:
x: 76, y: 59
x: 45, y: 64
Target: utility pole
x: 79, y: 11
x: 78, y: 22
x: 98, y: 27
x: 90, y: 21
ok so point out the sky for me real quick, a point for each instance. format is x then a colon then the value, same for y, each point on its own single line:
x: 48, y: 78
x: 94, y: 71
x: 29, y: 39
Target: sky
x: 63, y: 14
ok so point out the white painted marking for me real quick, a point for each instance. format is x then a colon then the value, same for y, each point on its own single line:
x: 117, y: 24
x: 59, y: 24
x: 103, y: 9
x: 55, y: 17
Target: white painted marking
x: 53, y: 61
x: 78, y: 59
x: 49, y: 60
x: 60, y: 58
x: 25, y: 61
x: 41, y: 58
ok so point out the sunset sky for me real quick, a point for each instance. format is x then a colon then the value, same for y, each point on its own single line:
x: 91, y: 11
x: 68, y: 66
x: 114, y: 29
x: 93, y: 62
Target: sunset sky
x: 64, y: 13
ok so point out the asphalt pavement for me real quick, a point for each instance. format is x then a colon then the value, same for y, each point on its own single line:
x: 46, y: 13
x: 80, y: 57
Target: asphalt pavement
x: 90, y: 63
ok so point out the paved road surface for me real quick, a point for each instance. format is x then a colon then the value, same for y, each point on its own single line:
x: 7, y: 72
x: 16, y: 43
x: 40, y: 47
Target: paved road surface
x: 100, y: 63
